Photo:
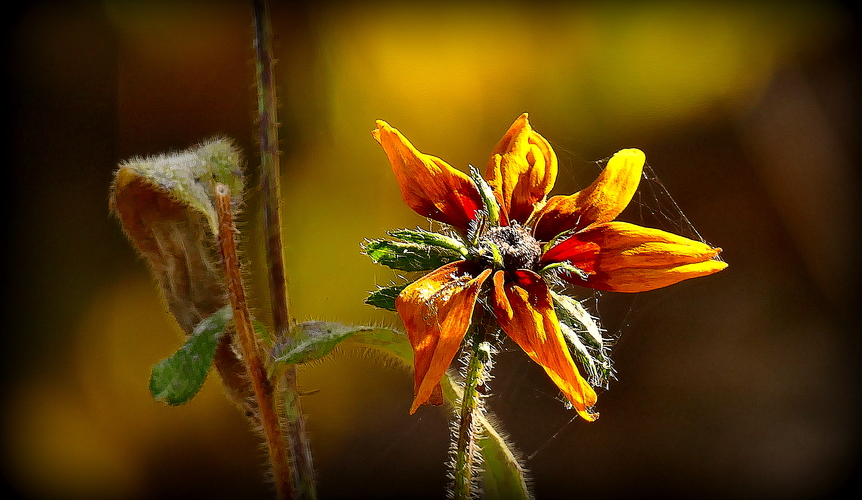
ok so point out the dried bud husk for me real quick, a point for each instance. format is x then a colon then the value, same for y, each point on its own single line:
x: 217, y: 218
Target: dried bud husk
x: 165, y: 206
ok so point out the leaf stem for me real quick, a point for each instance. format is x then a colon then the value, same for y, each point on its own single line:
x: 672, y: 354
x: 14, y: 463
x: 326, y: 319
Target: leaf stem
x: 300, y: 450
x: 263, y: 392
x: 470, y: 413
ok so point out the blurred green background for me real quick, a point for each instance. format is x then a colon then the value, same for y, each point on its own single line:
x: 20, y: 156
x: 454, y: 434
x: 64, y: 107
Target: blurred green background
x: 739, y: 385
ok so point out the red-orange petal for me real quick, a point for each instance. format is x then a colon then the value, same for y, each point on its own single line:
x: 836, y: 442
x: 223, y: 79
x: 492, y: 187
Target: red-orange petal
x: 522, y: 170
x: 601, y: 202
x: 436, y: 311
x: 429, y: 185
x: 632, y: 258
x: 525, y: 311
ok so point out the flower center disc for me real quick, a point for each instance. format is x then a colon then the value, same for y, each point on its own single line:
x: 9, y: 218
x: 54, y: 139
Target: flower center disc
x: 517, y: 247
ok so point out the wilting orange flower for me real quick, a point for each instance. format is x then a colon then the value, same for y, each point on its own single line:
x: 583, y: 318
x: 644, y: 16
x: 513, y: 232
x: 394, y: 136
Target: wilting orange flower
x: 513, y: 234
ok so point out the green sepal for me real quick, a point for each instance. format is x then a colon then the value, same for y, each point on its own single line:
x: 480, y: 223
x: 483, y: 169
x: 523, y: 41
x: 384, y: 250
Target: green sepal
x: 384, y: 298
x: 176, y: 379
x: 409, y: 256
x: 557, y: 239
x: 423, y: 237
x: 492, y: 207
x: 566, y: 267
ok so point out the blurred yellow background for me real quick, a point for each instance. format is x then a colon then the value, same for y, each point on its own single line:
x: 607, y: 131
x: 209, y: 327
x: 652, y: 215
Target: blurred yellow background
x: 742, y: 384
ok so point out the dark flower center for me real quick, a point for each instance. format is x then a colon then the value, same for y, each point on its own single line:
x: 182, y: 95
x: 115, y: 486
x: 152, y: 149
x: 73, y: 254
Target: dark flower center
x: 518, y: 248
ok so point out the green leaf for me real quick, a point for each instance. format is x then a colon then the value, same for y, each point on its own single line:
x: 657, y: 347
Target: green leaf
x: 384, y: 298
x: 176, y: 380
x: 387, y: 341
x: 423, y: 237
x: 409, y: 256
x: 315, y: 339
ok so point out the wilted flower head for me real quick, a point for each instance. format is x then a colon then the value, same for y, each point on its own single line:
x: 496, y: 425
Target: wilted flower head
x: 507, y: 238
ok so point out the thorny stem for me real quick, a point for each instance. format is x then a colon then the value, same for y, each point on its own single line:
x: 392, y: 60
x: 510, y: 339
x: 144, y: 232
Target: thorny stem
x: 471, y: 412
x: 248, y: 344
x: 302, y: 474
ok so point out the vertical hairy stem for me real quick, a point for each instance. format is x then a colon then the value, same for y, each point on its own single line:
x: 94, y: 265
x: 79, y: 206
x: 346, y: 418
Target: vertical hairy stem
x: 297, y: 440
x: 470, y: 413
x: 263, y: 392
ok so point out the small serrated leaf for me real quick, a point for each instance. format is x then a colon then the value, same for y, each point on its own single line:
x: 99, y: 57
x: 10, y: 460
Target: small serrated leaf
x: 176, y: 379
x: 409, y: 256
x: 384, y: 298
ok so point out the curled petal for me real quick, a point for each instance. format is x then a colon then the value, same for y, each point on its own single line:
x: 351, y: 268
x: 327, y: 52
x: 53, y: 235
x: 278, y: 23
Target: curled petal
x: 601, y: 202
x: 522, y: 170
x: 429, y: 185
x: 436, y: 311
x: 525, y: 311
x: 624, y: 257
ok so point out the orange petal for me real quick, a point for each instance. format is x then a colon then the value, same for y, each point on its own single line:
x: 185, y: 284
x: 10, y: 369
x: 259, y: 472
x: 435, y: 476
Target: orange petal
x: 429, y: 185
x: 601, y: 202
x: 436, y: 311
x: 522, y: 170
x: 525, y: 311
x: 633, y: 258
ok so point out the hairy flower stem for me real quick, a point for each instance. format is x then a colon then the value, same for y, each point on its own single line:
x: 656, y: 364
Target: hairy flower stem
x: 470, y: 412
x: 302, y: 473
x: 263, y: 392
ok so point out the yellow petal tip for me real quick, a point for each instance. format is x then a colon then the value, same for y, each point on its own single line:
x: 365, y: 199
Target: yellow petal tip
x: 631, y: 153
x: 588, y: 415
x: 382, y: 126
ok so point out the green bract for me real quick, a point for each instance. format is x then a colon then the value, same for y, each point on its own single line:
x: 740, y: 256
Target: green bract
x: 423, y: 237
x: 583, y: 337
x: 384, y: 298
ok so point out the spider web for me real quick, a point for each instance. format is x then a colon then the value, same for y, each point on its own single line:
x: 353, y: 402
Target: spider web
x: 651, y: 206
